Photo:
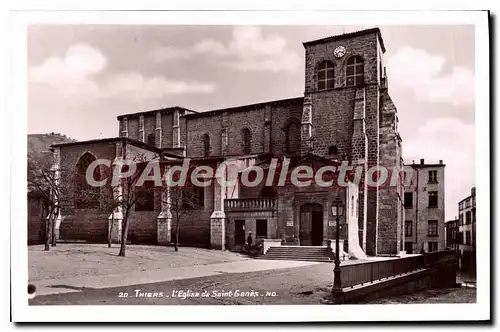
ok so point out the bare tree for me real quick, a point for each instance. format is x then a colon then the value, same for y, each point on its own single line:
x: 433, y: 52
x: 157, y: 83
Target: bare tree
x: 179, y: 200
x: 127, y: 201
x: 108, y: 205
x: 43, y: 179
x: 130, y: 195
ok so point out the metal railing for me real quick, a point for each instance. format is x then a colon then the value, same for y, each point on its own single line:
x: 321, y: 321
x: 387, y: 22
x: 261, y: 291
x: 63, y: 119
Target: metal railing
x: 251, y: 204
x: 362, y: 273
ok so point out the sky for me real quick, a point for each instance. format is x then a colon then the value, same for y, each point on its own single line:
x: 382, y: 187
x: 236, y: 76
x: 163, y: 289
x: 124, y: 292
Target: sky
x: 80, y: 77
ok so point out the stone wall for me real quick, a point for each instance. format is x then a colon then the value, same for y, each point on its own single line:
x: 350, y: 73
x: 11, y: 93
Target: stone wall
x: 333, y: 112
x: 266, y: 122
x: 389, y: 219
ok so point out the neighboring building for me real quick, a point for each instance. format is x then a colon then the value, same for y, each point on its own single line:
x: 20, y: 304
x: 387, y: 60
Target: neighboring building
x: 452, y: 231
x: 346, y: 113
x: 424, y: 208
x: 467, y: 232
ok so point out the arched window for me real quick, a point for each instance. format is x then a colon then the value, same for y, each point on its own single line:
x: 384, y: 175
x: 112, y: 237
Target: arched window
x: 85, y: 195
x: 151, y: 139
x: 246, y: 138
x: 292, y: 136
x: 355, y: 71
x: 325, y: 76
x: 206, y: 145
x: 333, y: 150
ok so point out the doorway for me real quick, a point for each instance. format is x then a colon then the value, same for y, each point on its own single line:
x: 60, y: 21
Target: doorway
x: 239, y: 232
x: 311, y: 224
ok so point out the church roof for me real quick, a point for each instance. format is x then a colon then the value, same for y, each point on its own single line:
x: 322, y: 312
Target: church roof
x: 279, y: 102
x: 162, y: 110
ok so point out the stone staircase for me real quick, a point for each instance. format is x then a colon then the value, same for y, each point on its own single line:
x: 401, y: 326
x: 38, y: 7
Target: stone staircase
x: 299, y: 253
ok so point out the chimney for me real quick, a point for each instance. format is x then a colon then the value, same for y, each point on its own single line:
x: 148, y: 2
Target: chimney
x: 473, y: 191
x: 440, y: 161
x: 422, y: 161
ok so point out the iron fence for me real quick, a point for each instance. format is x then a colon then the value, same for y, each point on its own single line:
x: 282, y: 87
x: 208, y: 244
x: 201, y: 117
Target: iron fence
x: 363, y: 273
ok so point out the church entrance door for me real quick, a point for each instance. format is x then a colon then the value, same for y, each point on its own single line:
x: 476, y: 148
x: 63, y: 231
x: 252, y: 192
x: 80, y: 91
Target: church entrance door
x: 311, y: 224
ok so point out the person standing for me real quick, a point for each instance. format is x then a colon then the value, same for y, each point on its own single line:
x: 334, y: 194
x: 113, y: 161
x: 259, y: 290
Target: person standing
x: 249, y: 239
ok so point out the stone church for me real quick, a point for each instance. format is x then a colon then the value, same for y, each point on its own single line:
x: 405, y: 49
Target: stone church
x: 345, y: 114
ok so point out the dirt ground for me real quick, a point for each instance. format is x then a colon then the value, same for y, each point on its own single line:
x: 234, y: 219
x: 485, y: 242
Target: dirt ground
x: 80, y: 260
x: 300, y: 285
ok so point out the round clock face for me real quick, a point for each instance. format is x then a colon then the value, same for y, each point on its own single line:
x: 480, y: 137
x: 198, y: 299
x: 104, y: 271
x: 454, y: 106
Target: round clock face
x: 339, y: 51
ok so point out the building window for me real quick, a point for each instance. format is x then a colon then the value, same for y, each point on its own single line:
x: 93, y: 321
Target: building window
x: 325, y: 76
x: 408, y: 200
x: 355, y: 71
x: 192, y: 197
x: 409, y: 247
x: 145, y: 197
x: 432, y: 228
x: 461, y: 219
x: 433, y: 199
x: 151, y: 140
x: 408, y: 227
x: 467, y: 238
x: 433, y: 246
x: 268, y: 192
x: 333, y: 150
x: 246, y: 138
x: 433, y: 177
x: 85, y: 195
x: 468, y: 217
x: 206, y: 145
x: 261, y: 228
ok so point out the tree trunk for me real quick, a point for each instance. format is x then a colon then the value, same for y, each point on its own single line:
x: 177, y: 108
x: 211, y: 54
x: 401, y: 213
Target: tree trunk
x: 177, y: 226
x: 47, y: 230
x: 53, y: 230
x: 124, y: 235
x: 110, y: 229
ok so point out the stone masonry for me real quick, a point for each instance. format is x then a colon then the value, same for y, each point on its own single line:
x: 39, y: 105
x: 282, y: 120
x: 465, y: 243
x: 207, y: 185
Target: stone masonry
x: 351, y: 122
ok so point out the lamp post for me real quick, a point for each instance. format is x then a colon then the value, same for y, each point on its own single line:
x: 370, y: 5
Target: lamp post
x: 337, y: 211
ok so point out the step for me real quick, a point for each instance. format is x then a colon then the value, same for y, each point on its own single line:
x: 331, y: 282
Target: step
x: 322, y: 260
x: 296, y: 253
x: 307, y: 251
x: 299, y: 253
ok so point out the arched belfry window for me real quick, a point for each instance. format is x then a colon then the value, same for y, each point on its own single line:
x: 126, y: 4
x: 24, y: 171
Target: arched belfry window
x: 206, y: 145
x: 325, y: 75
x: 246, y: 138
x: 85, y: 195
x: 355, y: 71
